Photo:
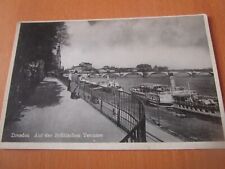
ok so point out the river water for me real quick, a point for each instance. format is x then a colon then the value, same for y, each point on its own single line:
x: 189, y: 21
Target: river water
x: 191, y: 128
x: 204, y: 85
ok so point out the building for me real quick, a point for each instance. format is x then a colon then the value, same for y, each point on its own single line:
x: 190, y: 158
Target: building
x: 83, y: 67
x: 86, y: 65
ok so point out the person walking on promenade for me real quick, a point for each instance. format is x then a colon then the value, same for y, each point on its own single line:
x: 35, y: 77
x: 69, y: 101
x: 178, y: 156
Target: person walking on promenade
x: 75, y: 89
x: 69, y: 83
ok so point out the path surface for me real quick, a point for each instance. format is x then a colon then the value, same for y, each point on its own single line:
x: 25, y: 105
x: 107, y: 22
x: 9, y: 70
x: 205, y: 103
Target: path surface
x: 52, y: 116
x: 160, y: 134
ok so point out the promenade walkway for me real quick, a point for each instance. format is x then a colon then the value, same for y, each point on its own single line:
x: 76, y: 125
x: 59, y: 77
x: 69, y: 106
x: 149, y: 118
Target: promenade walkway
x: 159, y: 133
x: 52, y: 116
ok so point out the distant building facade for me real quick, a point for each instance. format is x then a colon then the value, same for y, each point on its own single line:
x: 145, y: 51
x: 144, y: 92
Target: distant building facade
x: 86, y: 65
x: 83, y: 67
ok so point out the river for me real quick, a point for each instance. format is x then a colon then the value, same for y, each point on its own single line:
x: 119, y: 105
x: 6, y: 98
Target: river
x: 192, y: 127
x: 204, y: 85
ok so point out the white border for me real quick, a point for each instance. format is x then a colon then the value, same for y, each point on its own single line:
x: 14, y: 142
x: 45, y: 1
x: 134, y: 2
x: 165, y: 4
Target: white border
x: 115, y: 146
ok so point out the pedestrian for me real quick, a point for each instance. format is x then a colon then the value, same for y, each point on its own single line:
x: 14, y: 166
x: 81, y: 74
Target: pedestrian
x: 75, y: 91
x: 69, y: 81
x: 76, y: 77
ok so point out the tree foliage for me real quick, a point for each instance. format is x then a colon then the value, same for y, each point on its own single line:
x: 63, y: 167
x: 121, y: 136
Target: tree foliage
x: 37, y: 40
x: 144, y: 67
x: 34, y: 58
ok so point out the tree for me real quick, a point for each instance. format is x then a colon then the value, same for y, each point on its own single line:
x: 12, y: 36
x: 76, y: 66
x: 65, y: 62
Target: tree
x: 37, y: 41
x: 144, y: 67
x: 34, y: 58
x: 163, y: 69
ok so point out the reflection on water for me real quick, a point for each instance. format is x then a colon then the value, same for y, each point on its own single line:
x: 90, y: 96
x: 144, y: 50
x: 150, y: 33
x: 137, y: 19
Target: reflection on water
x: 192, y: 127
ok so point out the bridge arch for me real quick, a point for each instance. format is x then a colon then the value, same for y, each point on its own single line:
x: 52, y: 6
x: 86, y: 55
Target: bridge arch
x: 181, y: 74
x: 157, y: 73
x: 111, y: 75
x: 140, y: 74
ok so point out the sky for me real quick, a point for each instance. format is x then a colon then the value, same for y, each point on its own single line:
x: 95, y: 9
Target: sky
x: 176, y: 42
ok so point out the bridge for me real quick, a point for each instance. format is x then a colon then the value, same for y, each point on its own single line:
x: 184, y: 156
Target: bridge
x: 149, y: 74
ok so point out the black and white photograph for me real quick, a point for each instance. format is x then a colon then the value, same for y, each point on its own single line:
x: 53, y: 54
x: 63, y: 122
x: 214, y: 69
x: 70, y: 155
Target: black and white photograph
x: 128, y: 83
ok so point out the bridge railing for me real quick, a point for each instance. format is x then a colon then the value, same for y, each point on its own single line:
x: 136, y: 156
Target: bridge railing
x: 122, y: 108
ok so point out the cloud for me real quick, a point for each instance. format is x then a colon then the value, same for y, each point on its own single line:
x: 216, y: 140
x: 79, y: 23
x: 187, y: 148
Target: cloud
x: 170, y: 41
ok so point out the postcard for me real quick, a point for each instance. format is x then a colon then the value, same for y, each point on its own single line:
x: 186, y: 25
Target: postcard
x: 114, y: 84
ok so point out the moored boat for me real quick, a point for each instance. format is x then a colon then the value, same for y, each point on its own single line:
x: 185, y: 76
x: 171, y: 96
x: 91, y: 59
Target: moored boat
x: 155, y: 94
x: 109, y: 85
x: 202, y: 105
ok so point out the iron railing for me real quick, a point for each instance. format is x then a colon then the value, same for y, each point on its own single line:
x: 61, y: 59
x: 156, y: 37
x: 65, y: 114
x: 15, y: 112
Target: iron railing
x: 122, y: 108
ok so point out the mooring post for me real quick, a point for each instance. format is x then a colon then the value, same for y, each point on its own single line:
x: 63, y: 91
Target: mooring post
x: 141, y: 131
x: 158, y: 115
x: 84, y: 91
x: 118, y: 110
x: 101, y: 105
